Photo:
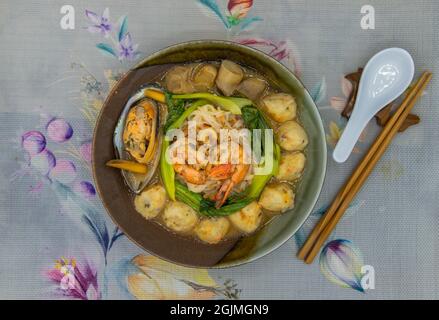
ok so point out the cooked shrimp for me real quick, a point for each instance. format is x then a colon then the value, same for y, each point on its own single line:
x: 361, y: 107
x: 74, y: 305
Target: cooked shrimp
x: 223, y: 193
x: 190, y: 174
x: 234, y: 173
x: 220, y: 172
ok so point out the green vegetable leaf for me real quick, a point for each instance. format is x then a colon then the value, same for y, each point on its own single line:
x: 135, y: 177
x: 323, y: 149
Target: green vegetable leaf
x: 276, y: 159
x: 166, y: 169
x: 184, y: 195
x: 186, y: 113
x: 241, y: 102
x: 232, y: 104
x: 254, y: 119
x: 167, y: 172
x: 175, y: 110
x: 250, y: 115
x: 207, y: 207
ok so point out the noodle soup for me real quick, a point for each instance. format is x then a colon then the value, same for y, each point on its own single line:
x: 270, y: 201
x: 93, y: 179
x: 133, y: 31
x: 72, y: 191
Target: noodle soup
x: 205, y: 183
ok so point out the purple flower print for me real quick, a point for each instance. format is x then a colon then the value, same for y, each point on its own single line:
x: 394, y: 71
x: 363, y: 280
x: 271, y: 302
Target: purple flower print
x: 74, y: 280
x: 341, y: 262
x: 43, y: 162
x: 61, y: 175
x: 101, y: 24
x: 86, y: 189
x: 59, y: 130
x: 64, y: 171
x: 33, y: 142
x: 85, y: 151
x: 121, y: 44
x: 127, y: 50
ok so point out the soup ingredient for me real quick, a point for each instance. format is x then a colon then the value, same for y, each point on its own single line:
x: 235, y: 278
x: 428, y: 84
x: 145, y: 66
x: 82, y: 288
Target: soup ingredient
x: 190, y: 174
x: 203, y: 77
x: 259, y: 181
x: 179, y: 216
x: 140, y: 131
x: 137, y: 137
x: 277, y: 197
x: 231, y: 104
x: 215, y: 181
x: 166, y: 169
x: 207, y: 207
x: 212, y: 230
x: 291, y: 136
x: 280, y: 107
x: 155, y: 94
x: 177, y: 79
x: 252, y: 88
x: 291, y: 166
x: 237, y: 174
x: 183, y: 194
x: 241, y: 102
x: 128, y: 165
x: 229, y: 77
x: 254, y: 119
x: 151, y: 201
x: 178, y: 112
x: 205, y: 175
x: 167, y: 172
x: 175, y: 109
x: 248, y: 218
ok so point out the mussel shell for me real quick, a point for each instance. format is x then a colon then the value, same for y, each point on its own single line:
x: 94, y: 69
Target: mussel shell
x: 135, y: 181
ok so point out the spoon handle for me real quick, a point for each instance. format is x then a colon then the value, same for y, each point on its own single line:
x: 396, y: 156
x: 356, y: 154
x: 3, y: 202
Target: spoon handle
x: 349, y: 138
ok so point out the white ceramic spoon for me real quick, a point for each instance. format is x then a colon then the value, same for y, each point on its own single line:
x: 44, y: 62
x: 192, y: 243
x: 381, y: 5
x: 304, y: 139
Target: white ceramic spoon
x: 386, y: 76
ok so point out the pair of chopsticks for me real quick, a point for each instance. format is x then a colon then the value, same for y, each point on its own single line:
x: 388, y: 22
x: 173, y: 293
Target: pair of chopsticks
x: 327, y: 223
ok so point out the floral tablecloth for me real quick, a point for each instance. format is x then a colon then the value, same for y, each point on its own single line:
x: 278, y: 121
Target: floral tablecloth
x: 57, y: 67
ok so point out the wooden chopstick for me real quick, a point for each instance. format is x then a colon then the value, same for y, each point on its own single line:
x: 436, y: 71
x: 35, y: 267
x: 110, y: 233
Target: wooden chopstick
x: 325, y: 226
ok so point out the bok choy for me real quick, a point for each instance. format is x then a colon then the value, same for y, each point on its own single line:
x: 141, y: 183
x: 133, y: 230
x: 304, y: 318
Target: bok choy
x: 166, y: 169
x: 231, y: 104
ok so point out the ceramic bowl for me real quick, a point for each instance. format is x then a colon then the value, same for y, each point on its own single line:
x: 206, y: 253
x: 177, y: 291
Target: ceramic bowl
x: 154, y: 238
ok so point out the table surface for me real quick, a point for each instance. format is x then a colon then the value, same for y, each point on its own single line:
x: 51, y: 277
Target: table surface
x: 57, y: 241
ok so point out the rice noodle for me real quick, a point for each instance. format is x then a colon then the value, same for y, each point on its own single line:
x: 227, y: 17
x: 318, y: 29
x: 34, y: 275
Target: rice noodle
x: 210, y: 117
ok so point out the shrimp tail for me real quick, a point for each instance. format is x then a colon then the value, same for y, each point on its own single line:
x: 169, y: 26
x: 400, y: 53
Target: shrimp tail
x: 223, y: 193
x: 226, y: 188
